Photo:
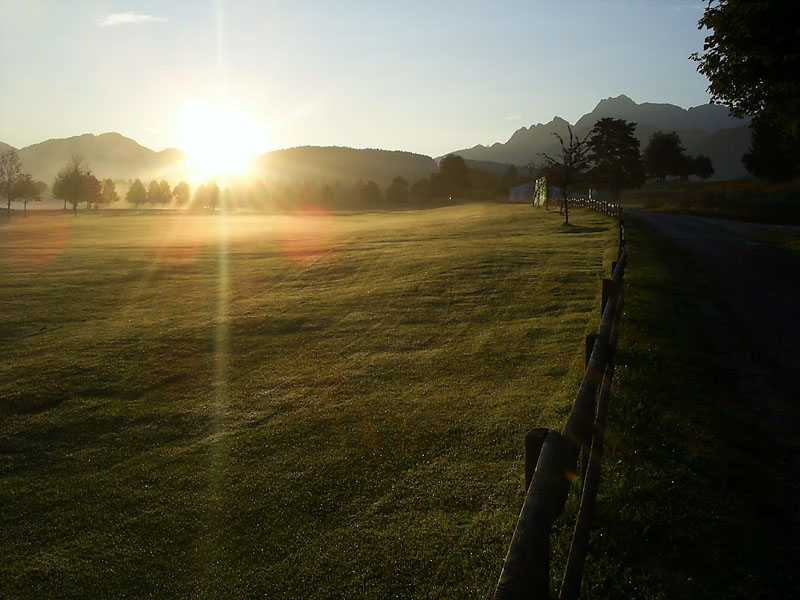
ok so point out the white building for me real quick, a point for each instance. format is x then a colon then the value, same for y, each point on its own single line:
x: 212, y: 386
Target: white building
x: 533, y: 192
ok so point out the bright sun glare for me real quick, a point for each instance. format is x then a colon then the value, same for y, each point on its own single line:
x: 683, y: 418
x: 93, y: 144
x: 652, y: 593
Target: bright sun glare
x: 218, y: 141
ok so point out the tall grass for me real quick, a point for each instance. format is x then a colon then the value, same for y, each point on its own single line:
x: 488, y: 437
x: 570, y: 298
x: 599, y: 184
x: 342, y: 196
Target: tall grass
x: 754, y: 200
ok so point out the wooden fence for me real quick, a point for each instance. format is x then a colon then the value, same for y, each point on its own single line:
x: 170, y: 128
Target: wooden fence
x: 553, y: 459
x: 611, y: 209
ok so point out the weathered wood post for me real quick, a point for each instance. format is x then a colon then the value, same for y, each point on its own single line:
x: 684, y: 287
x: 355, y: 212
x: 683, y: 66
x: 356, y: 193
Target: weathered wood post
x: 526, y: 572
x: 533, y: 446
x: 610, y: 288
x: 590, y: 340
x: 557, y: 457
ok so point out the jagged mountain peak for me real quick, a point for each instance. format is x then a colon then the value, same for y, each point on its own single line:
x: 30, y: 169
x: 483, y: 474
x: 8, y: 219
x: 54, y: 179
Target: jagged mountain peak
x: 697, y: 127
x: 615, y: 103
x: 669, y: 117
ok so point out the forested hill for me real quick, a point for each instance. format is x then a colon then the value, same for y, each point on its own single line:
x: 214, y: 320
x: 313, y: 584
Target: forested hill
x: 333, y: 164
x: 116, y: 156
x: 108, y: 155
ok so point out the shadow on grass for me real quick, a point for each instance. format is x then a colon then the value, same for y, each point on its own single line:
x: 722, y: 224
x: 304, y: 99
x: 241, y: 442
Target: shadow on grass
x: 692, y: 501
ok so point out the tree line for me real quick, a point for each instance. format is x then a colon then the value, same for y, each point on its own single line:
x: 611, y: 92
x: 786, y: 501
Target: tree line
x: 615, y: 151
x: 16, y: 185
x: 76, y: 184
x: 158, y: 192
x: 608, y: 159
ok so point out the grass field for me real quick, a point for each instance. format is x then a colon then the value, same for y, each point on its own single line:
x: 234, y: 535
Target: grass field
x: 755, y: 200
x: 285, y: 406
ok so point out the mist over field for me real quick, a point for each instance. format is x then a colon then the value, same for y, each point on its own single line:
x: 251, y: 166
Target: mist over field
x: 280, y: 404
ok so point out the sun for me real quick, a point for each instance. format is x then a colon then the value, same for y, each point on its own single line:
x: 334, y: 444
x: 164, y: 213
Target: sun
x: 218, y: 141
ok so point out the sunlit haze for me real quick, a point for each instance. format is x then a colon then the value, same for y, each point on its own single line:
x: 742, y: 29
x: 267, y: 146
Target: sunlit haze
x: 218, y: 140
x: 418, y: 76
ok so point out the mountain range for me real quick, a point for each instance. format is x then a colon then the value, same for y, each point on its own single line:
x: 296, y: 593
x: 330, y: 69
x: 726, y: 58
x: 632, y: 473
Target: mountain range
x: 706, y: 129
x: 109, y: 155
x: 121, y: 158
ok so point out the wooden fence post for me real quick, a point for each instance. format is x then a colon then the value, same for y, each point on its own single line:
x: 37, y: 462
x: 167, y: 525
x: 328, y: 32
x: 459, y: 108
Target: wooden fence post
x: 526, y: 571
x: 533, y: 446
x: 590, y: 340
x: 610, y: 288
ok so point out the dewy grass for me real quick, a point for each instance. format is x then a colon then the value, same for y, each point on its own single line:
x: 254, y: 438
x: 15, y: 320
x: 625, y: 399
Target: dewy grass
x: 289, y: 406
x: 688, y: 504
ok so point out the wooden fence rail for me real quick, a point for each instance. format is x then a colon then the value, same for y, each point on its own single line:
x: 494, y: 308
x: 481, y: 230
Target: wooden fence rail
x: 611, y: 209
x: 552, y: 459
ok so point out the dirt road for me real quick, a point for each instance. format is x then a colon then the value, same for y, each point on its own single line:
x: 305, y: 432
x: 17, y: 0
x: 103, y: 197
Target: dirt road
x: 759, y: 282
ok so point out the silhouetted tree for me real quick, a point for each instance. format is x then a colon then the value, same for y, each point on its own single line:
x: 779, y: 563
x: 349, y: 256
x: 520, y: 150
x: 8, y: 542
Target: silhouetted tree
x: 421, y: 191
x: 453, y: 177
x: 260, y: 193
x: 570, y: 169
x: 326, y: 197
x: 750, y: 60
x: 10, y: 173
x: 136, y: 194
x: 109, y: 193
x: 533, y: 171
x: 773, y: 155
x: 208, y: 195
x: 774, y: 152
x: 75, y: 183
x: 702, y: 167
x: 510, y: 179
x: 93, y: 190
x: 28, y: 190
x: 369, y: 194
x: 339, y: 195
x: 212, y: 195
x: 397, y: 192
x: 665, y: 155
x: 614, y: 153
x: 182, y: 193
x: 165, y: 193
x: 153, y: 193
x: 482, y: 182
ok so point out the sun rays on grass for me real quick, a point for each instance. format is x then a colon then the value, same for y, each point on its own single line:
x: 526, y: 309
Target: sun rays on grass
x: 261, y: 401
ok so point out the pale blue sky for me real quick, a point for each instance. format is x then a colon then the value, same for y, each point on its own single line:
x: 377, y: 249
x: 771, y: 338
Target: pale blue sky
x: 421, y: 76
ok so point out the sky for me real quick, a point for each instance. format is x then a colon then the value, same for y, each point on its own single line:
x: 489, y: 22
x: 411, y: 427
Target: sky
x: 426, y: 77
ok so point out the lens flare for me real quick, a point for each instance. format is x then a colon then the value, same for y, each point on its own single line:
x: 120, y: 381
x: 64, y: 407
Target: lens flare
x: 307, y: 233
x: 35, y: 242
